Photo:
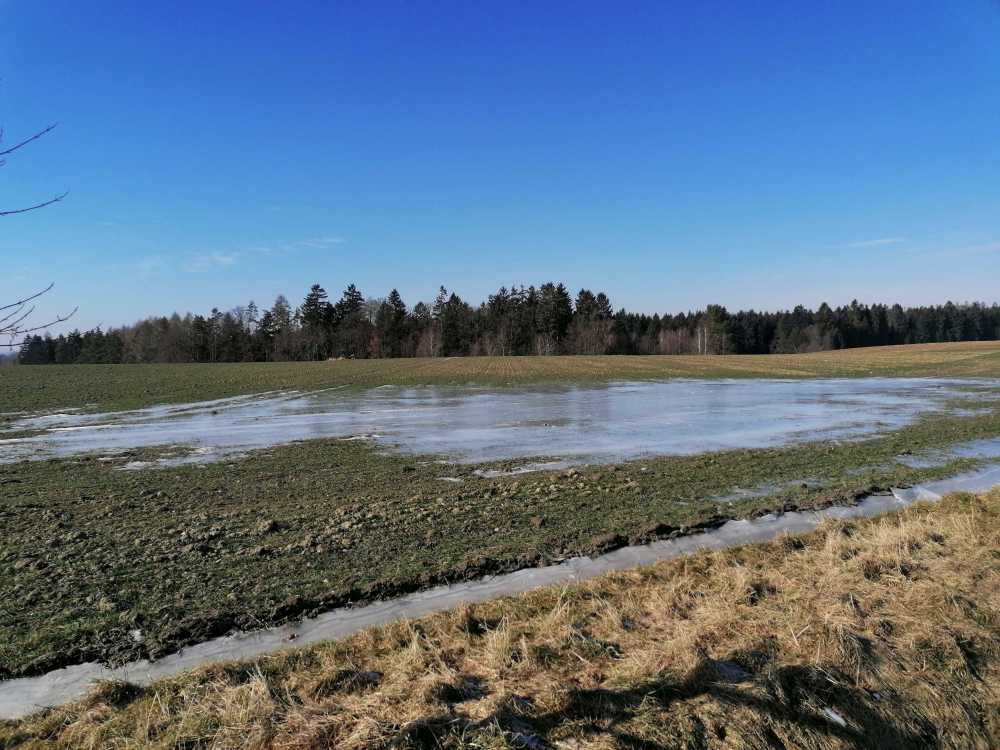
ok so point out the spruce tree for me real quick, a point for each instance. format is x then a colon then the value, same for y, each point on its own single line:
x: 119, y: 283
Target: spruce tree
x: 439, y: 303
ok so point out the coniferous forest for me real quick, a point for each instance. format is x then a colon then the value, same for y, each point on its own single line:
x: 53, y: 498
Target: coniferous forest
x: 517, y: 321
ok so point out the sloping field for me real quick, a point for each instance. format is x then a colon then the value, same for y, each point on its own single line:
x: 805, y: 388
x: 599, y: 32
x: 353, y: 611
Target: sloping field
x: 91, y: 553
x: 881, y: 633
x: 131, y: 386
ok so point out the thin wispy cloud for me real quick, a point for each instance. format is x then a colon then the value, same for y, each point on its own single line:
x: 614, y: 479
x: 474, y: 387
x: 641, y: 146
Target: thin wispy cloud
x: 212, y: 261
x: 966, y: 251
x: 218, y: 260
x: 149, y: 266
x: 321, y: 242
x: 872, y: 243
x: 262, y: 250
x: 284, y: 248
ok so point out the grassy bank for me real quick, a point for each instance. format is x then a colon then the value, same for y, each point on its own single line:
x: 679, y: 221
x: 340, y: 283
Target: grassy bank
x: 90, y: 554
x: 131, y: 386
x: 879, y: 633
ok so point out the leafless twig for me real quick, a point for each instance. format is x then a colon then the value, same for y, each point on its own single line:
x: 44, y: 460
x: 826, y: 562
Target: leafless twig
x: 43, y: 204
x: 10, y: 324
x: 12, y: 149
x: 25, y: 142
x: 21, y: 302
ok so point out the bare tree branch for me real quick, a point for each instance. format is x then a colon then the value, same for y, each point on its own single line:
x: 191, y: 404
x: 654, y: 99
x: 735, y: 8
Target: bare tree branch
x: 10, y: 324
x: 7, y: 317
x: 13, y: 325
x: 54, y: 321
x: 25, y: 142
x: 28, y: 299
x: 37, y: 205
x: 12, y: 149
x: 57, y: 319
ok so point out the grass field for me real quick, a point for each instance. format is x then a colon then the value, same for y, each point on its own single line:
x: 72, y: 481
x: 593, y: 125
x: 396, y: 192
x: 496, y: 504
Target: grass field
x: 873, y: 634
x: 131, y: 386
x: 90, y: 553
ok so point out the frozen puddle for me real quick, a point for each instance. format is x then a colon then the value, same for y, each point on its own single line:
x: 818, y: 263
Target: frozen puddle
x: 22, y: 696
x: 986, y: 448
x: 608, y: 423
x: 976, y: 481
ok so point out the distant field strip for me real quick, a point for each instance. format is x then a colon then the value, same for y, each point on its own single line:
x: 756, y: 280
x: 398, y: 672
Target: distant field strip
x: 131, y: 386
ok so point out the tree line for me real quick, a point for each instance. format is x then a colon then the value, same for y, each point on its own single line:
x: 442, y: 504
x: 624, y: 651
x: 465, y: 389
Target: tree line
x: 518, y: 320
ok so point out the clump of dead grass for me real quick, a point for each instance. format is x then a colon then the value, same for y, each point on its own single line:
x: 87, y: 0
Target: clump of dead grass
x: 879, y: 633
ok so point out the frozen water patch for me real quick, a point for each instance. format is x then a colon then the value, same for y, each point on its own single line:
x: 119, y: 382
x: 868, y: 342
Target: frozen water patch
x: 975, y: 481
x: 22, y: 696
x: 923, y: 460
x: 763, y: 490
x: 525, y: 469
x: 987, y: 448
x: 593, y: 424
x: 971, y: 412
x: 196, y: 457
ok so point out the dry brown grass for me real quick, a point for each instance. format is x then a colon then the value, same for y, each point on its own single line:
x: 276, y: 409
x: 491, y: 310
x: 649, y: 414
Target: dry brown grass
x: 875, y: 634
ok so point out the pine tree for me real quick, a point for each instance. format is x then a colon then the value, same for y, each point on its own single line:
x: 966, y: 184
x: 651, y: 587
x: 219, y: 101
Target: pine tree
x: 439, y: 303
x: 456, y: 328
x: 353, y: 330
x: 350, y: 303
x: 251, y: 318
x: 555, y: 312
x: 314, y: 308
x: 316, y: 330
x: 604, y: 310
x: 586, y: 305
x: 391, y: 324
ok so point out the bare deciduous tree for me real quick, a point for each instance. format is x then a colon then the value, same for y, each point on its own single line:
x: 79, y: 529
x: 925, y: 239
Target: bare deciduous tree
x: 3, y: 160
x: 14, y: 315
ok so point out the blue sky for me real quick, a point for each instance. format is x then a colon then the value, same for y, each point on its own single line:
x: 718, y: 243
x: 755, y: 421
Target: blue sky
x: 672, y: 154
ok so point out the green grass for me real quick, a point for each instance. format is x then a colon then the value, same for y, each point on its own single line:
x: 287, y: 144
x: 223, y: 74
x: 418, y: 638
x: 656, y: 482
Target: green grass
x: 89, y: 553
x: 131, y: 386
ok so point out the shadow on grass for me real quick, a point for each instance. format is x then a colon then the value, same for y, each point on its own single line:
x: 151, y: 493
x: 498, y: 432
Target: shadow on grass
x: 803, y: 700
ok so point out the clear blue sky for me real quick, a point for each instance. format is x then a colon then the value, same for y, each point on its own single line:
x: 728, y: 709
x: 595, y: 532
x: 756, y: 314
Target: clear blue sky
x: 671, y: 154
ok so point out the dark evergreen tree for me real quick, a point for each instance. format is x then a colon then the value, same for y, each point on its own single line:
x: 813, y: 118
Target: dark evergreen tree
x: 391, y: 325
x: 456, y: 325
x: 515, y: 320
x: 353, y: 330
x: 317, y: 329
x: 314, y: 308
x: 555, y: 313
